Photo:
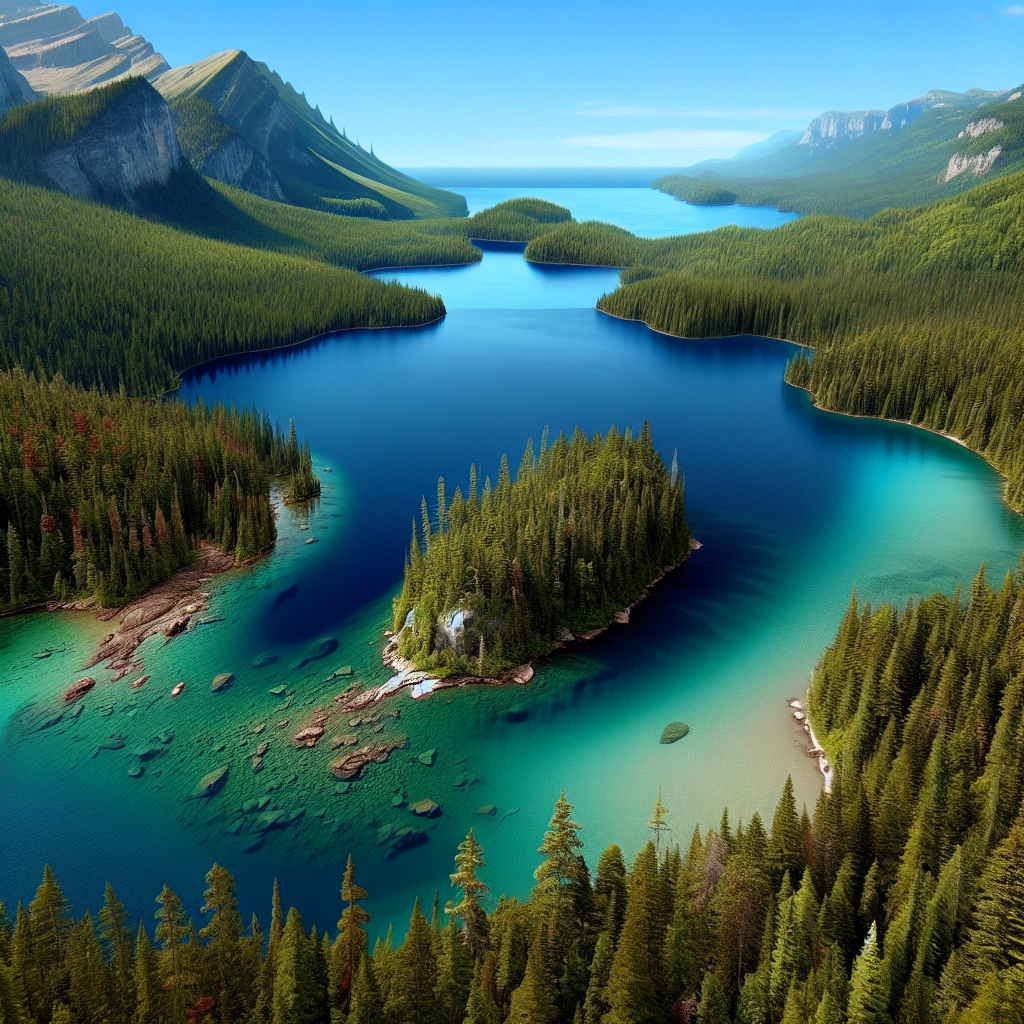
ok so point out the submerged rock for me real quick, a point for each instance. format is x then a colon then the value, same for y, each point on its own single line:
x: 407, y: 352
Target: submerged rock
x: 405, y: 839
x: 339, y: 673
x: 317, y: 650
x: 428, y: 757
x: 278, y: 691
x: 264, y: 660
x: 113, y: 742
x: 348, y: 740
x: 425, y: 809
x: 79, y: 688
x: 136, y: 771
x: 222, y: 682
x: 517, y: 713
x: 674, y: 731
x: 152, y: 749
x: 487, y: 810
x: 212, y: 782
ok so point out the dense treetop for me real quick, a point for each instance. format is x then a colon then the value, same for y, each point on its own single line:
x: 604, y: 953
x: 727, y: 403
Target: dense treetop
x: 104, y: 495
x: 914, y: 314
x: 580, y: 533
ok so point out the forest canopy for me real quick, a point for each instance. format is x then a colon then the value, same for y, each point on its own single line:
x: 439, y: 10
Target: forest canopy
x: 914, y: 315
x: 496, y: 576
x: 103, y: 496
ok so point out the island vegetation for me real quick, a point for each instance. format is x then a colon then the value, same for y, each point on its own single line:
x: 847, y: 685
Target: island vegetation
x: 914, y: 314
x: 698, y: 193
x: 494, y: 577
x: 899, y: 900
x: 102, y: 495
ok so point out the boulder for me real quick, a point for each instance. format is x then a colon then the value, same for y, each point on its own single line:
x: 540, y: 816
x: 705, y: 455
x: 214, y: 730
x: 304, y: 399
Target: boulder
x: 425, y: 809
x: 264, y: 660
x: 428, y: 757
x: 350, y: 739
x: 339, y: 673
x: 212, y: 783
x: 135, y: 771
x: 487, y: 810
x: 405, y: 839
x: 278, y: 691
x: 79, y: 688
x: 674, y: 731
x: 222, y: 682
x: 262, y: 749
x: 152, y: 749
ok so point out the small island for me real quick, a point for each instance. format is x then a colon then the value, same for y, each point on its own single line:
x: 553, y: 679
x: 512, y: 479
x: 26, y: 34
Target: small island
x: 507, y: 572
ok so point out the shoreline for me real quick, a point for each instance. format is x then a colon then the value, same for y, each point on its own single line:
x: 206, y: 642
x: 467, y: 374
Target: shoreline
x: 800, y: 715
x: 408, y: 675
x: 822, y: 408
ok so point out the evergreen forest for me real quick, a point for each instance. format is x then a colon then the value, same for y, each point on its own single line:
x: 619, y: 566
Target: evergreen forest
x: 103, y: 495
x: 583, y: 530
x: 914, y: 315
x: 898, y: 900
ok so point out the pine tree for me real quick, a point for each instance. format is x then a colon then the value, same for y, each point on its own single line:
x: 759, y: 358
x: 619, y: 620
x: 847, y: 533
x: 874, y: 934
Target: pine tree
x: 533, y: 1002
x: 454, y: 973
x: 292, y: 975
x: 657, y: 824
x: 172, y: 933
x: 610, y: 889
x: 87, y: 972
x: 412, y: 998
x: 149, y: 995
x: 785, y: 843
x: 474, y: 918
x: 223, y: 935
x: 366, y: 1006
x: 350, y: 947
x: 117, y: 944
x: 868, y: 997
x: 714, y: 1008
x: 595, y: 1006
x: 480, y: 1008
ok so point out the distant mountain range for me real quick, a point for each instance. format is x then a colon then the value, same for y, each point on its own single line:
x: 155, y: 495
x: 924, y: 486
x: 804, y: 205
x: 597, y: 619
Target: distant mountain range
x: 858, y: 162
x: 236, y: 120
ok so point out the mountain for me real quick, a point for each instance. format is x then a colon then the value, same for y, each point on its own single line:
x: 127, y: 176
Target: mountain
x: 244, y: 125
x: 57, y: 50
x: 858, y: 162
x: 14, y: 87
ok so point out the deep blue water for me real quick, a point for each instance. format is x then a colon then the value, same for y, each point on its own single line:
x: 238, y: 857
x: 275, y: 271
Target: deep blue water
x: 794, y: 508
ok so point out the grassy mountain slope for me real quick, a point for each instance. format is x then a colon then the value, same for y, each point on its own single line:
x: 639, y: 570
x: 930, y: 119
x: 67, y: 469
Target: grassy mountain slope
x: 310, y: 160
x: 915, y: 314
x: 879, y: 169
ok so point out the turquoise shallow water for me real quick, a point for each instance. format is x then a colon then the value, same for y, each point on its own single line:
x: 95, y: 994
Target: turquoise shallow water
x: 794, y: 506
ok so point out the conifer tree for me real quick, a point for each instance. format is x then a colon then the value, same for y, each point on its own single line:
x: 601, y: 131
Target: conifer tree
x: 480, y: 1008
x: 172, y: 931
x: 533, y: 1002
x: 868, y: 997
x: 610, y: 890
x: 117, y: 944
x: 149, y: 996
x: 474, y: 918
x: 350, y: 947
x: 595, y: 1006
x: 785, y: 842
x: 412, y: 998
x: 222, y: 936
x: 292, y: 976
x: 87, y: 972
x: 366, y: 1006
x: 714, y: 1008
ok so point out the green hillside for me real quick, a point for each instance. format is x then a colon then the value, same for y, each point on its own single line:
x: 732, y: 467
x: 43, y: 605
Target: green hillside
x: 145, y: 301
x: 307, y: 159
x: 880, y: 169
x: 915, y: 314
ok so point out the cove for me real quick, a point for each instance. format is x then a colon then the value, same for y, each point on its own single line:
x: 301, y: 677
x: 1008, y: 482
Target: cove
x: 794, y: 507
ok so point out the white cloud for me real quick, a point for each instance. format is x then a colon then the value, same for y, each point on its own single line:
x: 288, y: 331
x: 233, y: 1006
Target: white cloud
x: 670, y: 138
x: 1013, y: 11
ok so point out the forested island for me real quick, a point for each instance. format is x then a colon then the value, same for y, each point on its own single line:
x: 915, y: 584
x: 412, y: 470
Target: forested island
x: 103, y: 496
x: 899, y: 899
x: 497, y: 576
x: 914, y: 315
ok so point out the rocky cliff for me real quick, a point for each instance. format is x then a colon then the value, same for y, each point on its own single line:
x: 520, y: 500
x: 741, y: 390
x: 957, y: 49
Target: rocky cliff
x: 112, y: 147
x: 57, y: 50
x: 14, y: 87
x: 836, y: 128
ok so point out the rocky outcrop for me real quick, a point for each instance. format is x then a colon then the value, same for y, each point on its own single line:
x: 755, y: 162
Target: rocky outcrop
x: 236, y: 163
x: 978, y: 164
x: 131, y: 144
x: 59, y: 51
x: 836, y: 128
x: 14, y: 87
x: 978, y: 128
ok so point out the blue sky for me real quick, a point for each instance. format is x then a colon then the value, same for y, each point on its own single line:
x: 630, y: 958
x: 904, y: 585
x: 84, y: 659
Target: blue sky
x: 483, y: 84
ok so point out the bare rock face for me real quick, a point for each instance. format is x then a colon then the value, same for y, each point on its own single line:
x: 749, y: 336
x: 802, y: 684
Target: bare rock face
x: 236, y: 163
x: 14, y: 87
x: 978, y: 164
x: 132, y: 144
x: 59, y: 51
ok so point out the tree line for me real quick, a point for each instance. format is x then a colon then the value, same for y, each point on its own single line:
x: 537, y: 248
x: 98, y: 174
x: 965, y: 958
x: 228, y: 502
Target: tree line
x: 899, y: 900
x: 584, y: 528
x: 105, y: 495
x: 914, y: 314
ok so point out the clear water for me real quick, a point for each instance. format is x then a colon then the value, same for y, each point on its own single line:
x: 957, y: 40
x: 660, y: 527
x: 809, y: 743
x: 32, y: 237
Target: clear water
x: 794, y: 508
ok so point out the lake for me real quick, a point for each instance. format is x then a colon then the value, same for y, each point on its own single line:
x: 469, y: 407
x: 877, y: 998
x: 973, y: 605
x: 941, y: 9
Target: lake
x: 794, y: 508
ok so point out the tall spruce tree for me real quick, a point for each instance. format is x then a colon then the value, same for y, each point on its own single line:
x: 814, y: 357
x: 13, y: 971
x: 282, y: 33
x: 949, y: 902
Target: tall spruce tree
x: 474, y: 918
x: 412, y: 998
